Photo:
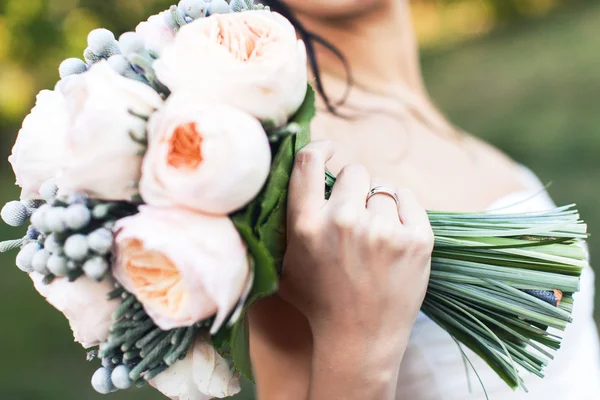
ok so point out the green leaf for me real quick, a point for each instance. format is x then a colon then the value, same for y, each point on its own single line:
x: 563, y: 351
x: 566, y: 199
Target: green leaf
x: 262, y: 226
x: 279, y: 180
x: 272, y: 219
x: 265, y: 275
x: 240, y: 348
x: 273, y: 232
x: 303, y: 118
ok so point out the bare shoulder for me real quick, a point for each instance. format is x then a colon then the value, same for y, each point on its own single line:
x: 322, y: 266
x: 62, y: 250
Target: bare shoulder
x: 494, y: 155
x: 461, y: 173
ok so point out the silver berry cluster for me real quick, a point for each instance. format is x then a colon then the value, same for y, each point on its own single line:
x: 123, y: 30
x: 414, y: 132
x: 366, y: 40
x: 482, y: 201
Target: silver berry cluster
x: 67, y: 237
x: 129, y: 56
x: 137, y: 350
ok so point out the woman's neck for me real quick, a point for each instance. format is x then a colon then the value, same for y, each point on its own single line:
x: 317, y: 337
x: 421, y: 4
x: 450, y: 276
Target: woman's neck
x: 379, y: 46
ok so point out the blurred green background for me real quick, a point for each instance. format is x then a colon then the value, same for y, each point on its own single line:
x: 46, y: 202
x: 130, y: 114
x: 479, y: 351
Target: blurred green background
x: 522, y: 74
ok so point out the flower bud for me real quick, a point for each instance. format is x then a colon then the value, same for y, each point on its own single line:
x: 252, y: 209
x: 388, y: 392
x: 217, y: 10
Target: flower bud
x: 100, y: 241
x: 102, y: 43
x: 120, y: 64
x: 15, y: 213
x: 77, y: 216
x: 95, y: 268
x: 194, y: 8
x: 101, y: 211
x: 48, y: 190
x: 120, y: 377
x: 76, y: 247
x: 57, y: 265
x: 72, y: 66
x: 32, y: 233
x: 38, y: 219
x: 132, y: 43
x: 101, y: 381
x: 52, y: 245
x: 55, y: 219
x: 218, y: 7
x: 239, y: 5
x: 25, y: 257
x: 40, y: 261
x: 90, y: 57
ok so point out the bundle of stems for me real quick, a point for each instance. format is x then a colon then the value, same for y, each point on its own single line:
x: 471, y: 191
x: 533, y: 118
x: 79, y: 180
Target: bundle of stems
x: 500, y: 281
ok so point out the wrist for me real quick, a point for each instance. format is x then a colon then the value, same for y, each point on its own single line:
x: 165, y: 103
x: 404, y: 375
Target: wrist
x: 367, y: 368
x: 362, y: 350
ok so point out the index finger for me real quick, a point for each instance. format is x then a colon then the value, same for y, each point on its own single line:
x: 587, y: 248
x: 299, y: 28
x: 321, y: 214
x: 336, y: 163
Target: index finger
x: 307, y: 184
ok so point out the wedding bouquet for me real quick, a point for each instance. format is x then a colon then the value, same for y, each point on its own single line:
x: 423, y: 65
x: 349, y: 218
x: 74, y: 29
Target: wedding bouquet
x: 154, y: 186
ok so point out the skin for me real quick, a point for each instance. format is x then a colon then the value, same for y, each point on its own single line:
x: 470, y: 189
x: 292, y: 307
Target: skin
x: 354, y: 277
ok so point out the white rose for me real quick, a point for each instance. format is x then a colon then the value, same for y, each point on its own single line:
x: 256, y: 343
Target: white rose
x: 103, y: 160
x: 40, y: 147
x: 182, y: 266
x: 250, y: 60
x: 202, y: 375
x: 156, y: 33
x: 210, y: 158
x: 85, y: 304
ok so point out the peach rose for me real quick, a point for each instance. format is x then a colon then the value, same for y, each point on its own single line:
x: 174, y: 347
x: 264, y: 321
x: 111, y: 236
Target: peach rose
x: 202, y: 375
x: 39, y: 150
x: 182, y: 266
x: 210, y: 158
x: 251, y: 60
x: 84, y: 303
x: 103, y: 160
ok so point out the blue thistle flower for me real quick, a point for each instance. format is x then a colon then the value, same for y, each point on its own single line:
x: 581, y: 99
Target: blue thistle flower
x: 71, y: 66
x: 194, y: 9
x: 218, y: 7
x: 15, y: 213
x: 102, y: 43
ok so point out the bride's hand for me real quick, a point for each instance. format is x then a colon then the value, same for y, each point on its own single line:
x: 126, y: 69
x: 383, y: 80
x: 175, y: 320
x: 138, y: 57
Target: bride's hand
x: 357, y: 272
x: 360, y: 267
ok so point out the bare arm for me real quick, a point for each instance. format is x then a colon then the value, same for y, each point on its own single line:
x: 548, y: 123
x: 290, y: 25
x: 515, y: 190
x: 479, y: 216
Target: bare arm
x: 349, y: 367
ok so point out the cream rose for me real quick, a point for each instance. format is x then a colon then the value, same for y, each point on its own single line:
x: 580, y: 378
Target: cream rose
x: 251, y: 60
x: 202, y: 375
x: 102, y: 159
x: 39, y: 150
x: 156, y: 33
x: 211, y: 158
x: 182, y: 266
x: 84, y: 303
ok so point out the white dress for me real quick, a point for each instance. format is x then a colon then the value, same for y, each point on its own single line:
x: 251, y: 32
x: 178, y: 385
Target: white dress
x: 433, y: 369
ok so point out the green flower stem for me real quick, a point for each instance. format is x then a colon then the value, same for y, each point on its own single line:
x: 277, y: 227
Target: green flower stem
x: 151, y: 374
x: 152, y: 358
x: 176, y: 339
x: 140, y: 315
x: 116, y: 293
x: 186, y: 342
x: 127, y: 324
x: 132, y: 336
x: 155, y: 343
x: 131, y: 355
x: 124, y: 307
x: 140, y: 344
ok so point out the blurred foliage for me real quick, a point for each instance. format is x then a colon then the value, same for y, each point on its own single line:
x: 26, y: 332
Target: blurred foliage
x: 518, y: 73
x: 36, y: 35
x: 440, y: 22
